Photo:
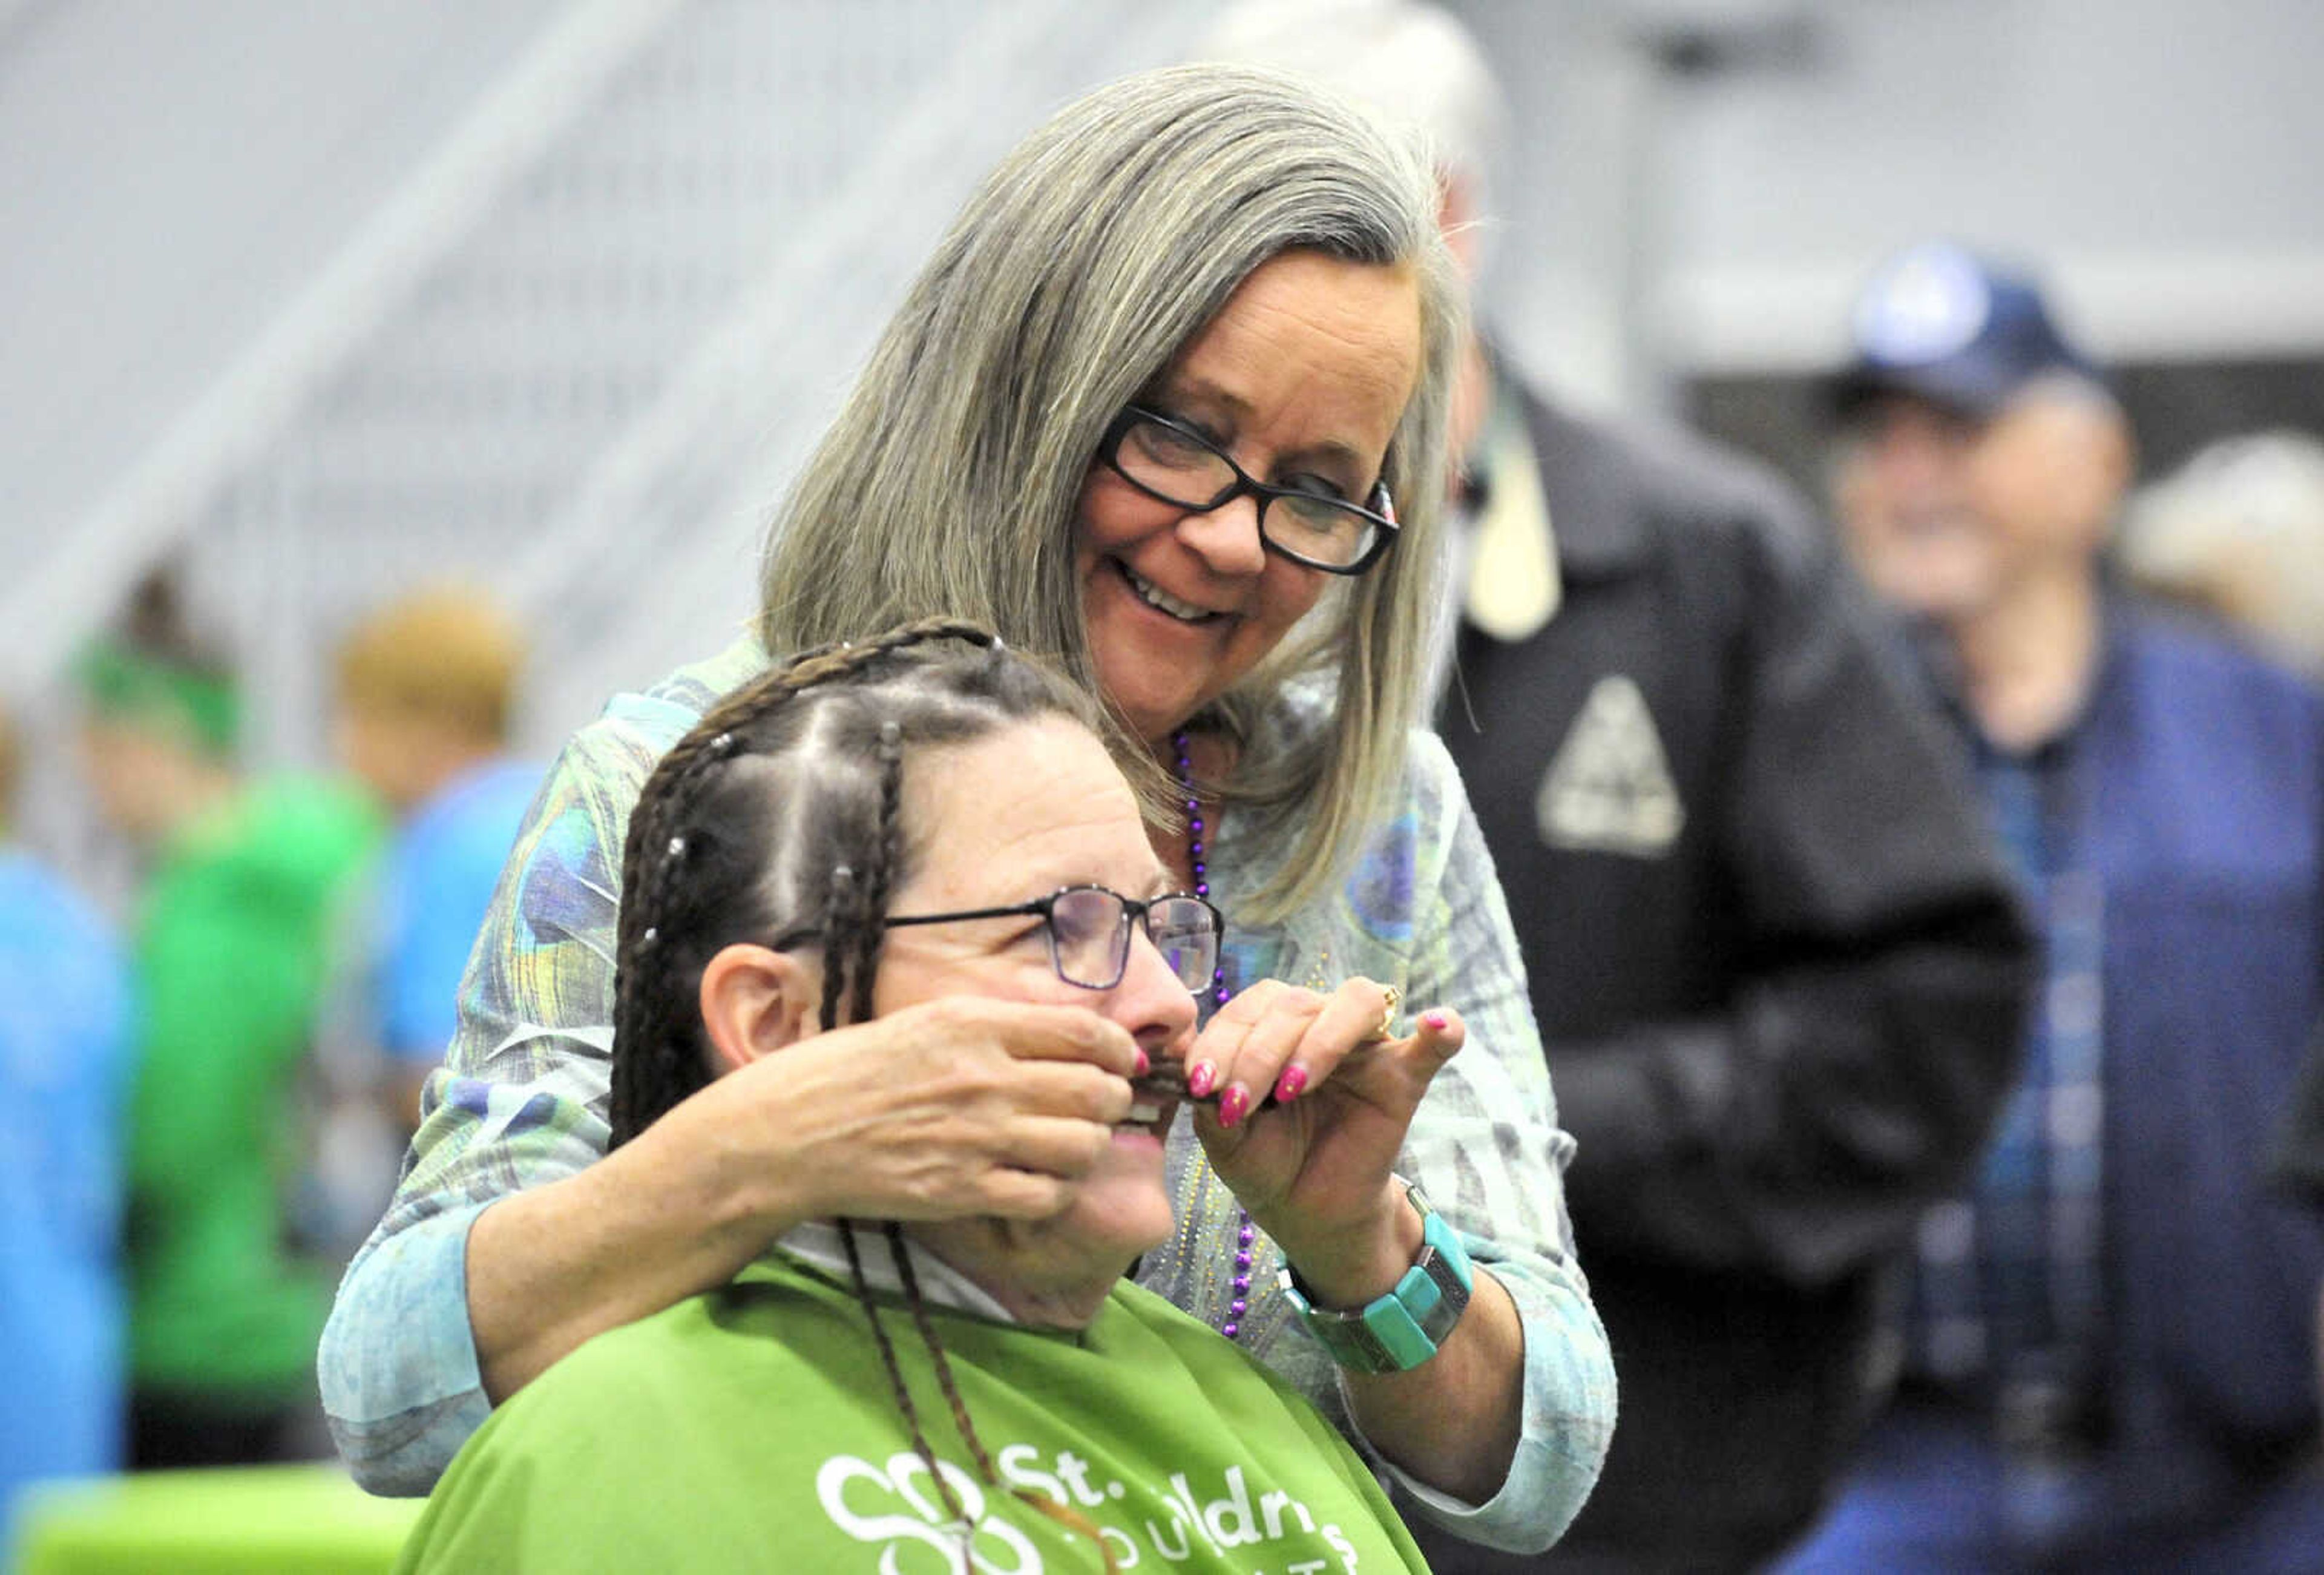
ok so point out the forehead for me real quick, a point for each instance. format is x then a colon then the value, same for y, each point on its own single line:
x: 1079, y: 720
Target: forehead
x: 1029, y: 807
x: 1312, y: 334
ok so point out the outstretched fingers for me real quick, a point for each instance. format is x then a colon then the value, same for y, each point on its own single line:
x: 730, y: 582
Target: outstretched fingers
x: 1276, y: 1042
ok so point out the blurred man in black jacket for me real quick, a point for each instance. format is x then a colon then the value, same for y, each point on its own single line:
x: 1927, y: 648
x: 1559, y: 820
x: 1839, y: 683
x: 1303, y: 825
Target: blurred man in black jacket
x: 1776, y: 962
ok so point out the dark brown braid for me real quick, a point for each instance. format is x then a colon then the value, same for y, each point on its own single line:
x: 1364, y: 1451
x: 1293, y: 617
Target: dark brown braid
x: 886, y: 854
x: 1064, y: 1514
x: 911, y: 1413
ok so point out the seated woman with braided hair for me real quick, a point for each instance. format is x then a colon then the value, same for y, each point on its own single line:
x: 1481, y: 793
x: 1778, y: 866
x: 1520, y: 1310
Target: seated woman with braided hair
x: 1167, y: 408
x: 898, y: 822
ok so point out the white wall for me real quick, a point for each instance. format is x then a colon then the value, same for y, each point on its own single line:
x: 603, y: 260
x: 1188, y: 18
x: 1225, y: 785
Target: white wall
x: 2158, y: 160
x: 173, y: 174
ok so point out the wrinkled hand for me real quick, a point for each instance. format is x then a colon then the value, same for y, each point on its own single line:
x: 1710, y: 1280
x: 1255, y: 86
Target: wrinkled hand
x: 1315, y: 1169
x: 955, y: 1106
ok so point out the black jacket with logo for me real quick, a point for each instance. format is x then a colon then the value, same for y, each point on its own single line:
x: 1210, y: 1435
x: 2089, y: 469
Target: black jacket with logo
x: 1777, y: 966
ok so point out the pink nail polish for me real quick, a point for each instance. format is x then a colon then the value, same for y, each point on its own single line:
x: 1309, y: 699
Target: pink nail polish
x: 1233, y: 1105
x: 1143, y: 1065
x: 1436, y: 1020
x: 1291, y: 1084
x: 1201, y: 1078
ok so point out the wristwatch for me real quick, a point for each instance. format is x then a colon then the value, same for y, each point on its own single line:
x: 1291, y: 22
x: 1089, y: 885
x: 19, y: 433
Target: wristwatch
x: 1400, y: 1329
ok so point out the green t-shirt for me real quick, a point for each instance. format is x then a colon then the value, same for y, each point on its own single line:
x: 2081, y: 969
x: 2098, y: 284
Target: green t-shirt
x: 232, y: 948
x: 755, y: 1428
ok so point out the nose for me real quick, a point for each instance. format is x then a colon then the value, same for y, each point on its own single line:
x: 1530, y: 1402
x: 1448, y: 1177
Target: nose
x: 1227, y: 537
x: 1151, y: 1002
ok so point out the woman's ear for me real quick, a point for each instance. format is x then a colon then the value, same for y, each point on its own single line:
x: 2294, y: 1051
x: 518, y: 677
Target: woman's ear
x: 755, y: 1001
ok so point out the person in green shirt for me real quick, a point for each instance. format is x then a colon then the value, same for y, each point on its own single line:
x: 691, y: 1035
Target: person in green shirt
x: 870, y: 829
x: 231, y: 946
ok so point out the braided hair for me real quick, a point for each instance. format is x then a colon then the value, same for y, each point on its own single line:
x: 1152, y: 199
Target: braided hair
x: 778, y: 818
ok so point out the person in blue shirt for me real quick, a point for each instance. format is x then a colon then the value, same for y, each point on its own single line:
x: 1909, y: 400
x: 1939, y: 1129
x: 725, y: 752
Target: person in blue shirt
x: 64, y: 1057
x: 2105, y: 1341
x: 426, y: 690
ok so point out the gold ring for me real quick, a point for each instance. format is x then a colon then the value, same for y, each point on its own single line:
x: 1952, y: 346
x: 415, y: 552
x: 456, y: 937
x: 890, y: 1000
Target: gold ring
x: 1387, y: 1030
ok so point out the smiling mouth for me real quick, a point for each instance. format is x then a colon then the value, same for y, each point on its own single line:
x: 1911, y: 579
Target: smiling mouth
x: 1162, y: 601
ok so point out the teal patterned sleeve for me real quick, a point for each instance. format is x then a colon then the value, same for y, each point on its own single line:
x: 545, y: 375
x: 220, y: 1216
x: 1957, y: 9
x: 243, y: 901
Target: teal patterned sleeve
x: 520, y: 1100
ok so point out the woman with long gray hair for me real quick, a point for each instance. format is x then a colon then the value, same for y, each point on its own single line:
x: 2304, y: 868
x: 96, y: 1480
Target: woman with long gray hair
x: 1167, y: 408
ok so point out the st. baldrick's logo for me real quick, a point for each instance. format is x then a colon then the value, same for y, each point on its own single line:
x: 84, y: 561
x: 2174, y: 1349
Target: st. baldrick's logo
x: 896, y: 1503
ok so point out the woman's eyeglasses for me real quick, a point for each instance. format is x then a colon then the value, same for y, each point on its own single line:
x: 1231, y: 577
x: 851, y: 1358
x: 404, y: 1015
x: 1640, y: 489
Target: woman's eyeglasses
x: 1089, y: 930
x: 1169, y: 460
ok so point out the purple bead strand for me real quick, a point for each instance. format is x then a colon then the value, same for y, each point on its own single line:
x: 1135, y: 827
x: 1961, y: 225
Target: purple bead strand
x: 1248, y: 1233
x: 1183, y: 744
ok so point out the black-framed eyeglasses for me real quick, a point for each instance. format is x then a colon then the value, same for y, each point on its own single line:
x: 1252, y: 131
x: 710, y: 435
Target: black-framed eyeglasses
x: 1169, y: 460
x: 1089, y: 932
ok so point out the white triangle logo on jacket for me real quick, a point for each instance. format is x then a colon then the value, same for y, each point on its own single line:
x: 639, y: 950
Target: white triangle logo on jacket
x: 1610, y: 789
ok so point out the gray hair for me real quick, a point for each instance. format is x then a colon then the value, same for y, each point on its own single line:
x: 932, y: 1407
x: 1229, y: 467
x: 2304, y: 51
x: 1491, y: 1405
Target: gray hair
x: 1102, y: 245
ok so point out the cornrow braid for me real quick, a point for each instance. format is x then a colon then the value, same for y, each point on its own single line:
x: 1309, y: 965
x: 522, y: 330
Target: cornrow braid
x: 843, y: 919
x: 654, y: 863
x: 886, y: 852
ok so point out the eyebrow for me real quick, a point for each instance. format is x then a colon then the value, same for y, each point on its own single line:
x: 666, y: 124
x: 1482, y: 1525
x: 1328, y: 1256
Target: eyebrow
x: 1175, y: 394
x: 1160, y: 883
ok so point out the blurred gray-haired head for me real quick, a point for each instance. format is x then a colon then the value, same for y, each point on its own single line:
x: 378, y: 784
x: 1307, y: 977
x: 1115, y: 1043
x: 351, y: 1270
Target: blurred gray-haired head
x: 1085, y: 265
x: 2238, y: 531
x: 1414, y: 62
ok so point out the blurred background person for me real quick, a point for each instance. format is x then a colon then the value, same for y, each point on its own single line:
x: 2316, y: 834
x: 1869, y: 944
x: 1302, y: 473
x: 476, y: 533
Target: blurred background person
x: 2238, y: 532
x: 1772, y: 954
x: 425, y: 696
x: 426, y: 690
x: 64, y: 1061
x: 2107, y: 1339
x: 232, y: 935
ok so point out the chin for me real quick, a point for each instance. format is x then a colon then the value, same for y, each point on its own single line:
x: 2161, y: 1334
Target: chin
x: 1150, y: 716
x: 1057, y: 1271
x: 1120, y: 1223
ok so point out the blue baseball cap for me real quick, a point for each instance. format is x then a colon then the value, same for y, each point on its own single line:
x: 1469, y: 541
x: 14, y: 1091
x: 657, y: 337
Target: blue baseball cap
x: 1940, y: 323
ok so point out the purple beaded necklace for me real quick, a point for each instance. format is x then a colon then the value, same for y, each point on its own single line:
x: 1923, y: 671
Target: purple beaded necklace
x: 1247, y: 1233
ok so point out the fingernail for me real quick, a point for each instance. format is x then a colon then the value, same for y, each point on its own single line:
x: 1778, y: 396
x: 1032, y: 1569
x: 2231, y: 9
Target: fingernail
x: 1199, y: 1078
x: 1291, y: 1084
x: 1144, y: 1065
x: 1233, y: 1105
x: 1436, y: 1020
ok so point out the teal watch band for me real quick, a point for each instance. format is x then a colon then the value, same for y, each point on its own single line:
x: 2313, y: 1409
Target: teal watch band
x: 1397, y: 1331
